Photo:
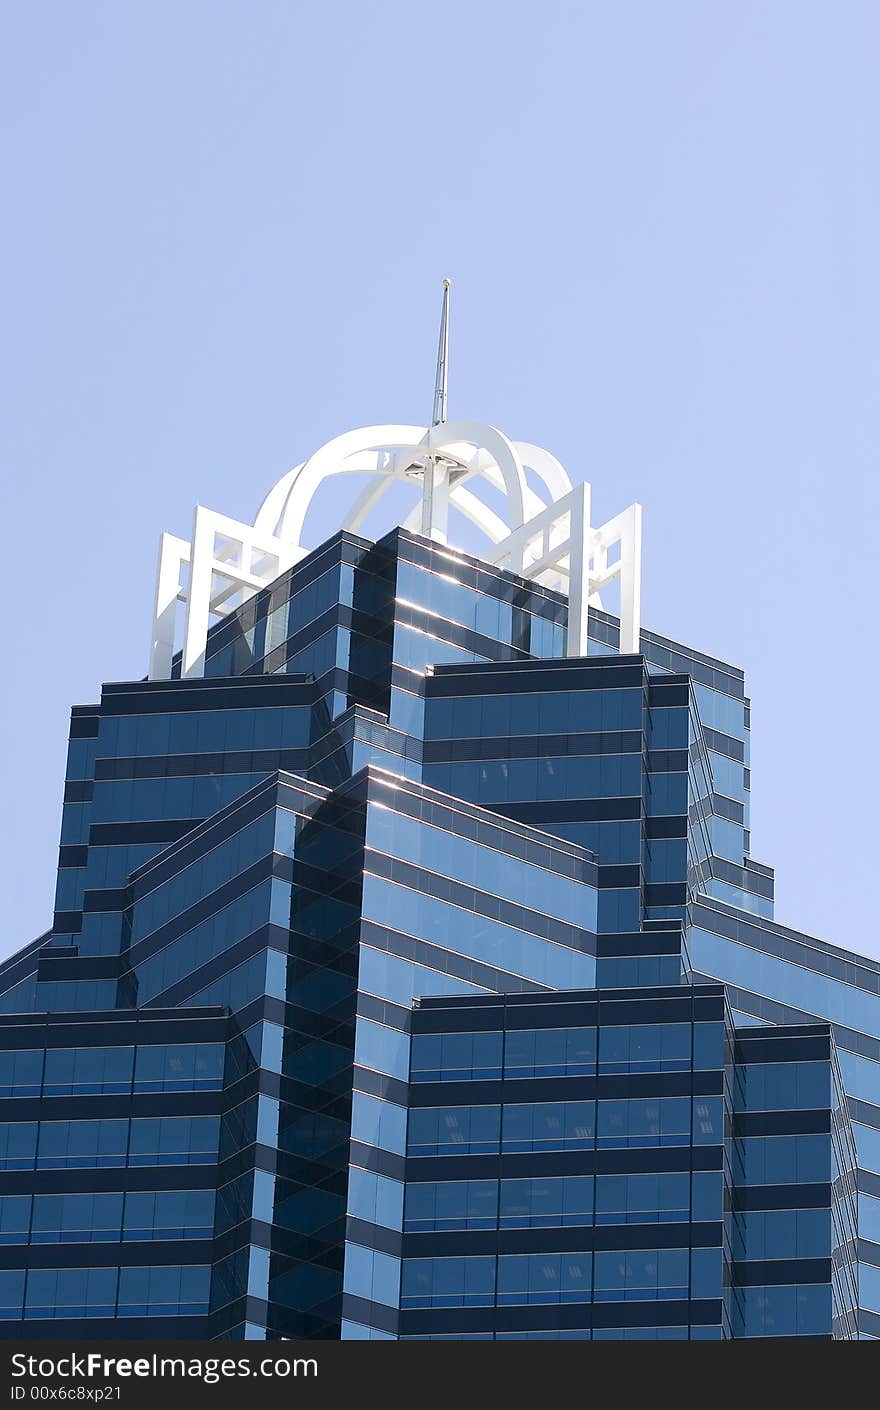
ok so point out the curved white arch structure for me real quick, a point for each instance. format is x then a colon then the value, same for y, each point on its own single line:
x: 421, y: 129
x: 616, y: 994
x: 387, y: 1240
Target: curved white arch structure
x: 543, y: 535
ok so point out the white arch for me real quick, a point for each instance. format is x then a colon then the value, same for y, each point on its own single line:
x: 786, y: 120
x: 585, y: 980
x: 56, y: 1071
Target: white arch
x: 284, y: 509
x: 388, y: 452
x: 549, y: 540
x: 548, y: 469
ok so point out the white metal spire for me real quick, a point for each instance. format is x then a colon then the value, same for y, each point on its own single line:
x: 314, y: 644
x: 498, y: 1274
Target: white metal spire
x: 441, y: 381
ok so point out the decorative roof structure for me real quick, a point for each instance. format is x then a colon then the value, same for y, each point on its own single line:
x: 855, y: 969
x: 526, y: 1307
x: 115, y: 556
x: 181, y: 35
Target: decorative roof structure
x: 544, y: 532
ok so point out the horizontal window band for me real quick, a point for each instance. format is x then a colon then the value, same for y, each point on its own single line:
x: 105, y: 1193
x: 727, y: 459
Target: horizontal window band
x: 605, y: 1087
x: 536, y: 814
x: 563, y: 1316
x: 232, y: 693
x: 79, y: 791
x: 377, y: 1160
x: 229, y: 761
x: 520, y: 677
x: 553, y: 746
x: 73, y: 856
x: 76, y: 967
x: 778, y: 1272
x: 724, y: 744
x: 408, y: 947
x: 782, y: 1123
x: 127, y: 1253
x: 484, y: 578
x: 646, y: 1160
x: 374, y: 1236
x: 84, y: 726
x: 573, y: 1238
x: 797, y: 1195
x: 469, y: 898
x: 572, y: 1008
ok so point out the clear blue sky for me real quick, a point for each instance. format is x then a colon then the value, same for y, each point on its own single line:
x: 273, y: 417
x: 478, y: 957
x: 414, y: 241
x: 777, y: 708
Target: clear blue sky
x: 224, y: 230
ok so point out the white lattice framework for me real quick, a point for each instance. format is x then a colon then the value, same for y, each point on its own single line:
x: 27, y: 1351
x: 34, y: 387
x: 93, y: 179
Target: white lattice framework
x: 543, y: 536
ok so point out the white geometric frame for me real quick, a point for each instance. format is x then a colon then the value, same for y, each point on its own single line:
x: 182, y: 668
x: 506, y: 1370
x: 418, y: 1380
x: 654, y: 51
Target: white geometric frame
x: 550, y: 542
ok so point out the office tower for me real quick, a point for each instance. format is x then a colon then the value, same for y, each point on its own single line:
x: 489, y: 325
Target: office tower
x: 410, y: 974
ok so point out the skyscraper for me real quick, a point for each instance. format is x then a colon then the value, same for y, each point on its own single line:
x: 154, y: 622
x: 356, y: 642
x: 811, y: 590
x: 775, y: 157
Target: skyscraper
x: 410, y: 975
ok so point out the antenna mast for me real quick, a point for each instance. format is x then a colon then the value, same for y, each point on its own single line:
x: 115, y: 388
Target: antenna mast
x: 441, y: 381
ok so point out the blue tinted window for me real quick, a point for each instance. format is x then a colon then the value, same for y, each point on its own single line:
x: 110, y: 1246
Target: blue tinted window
x: 164, y: 1291
x: 125, y: 800
x: 21, y: 1073
x: 169, y: 1214
x: 787, y: 1311
x: 372, y: 1275
x: 708, y: 1127
x: 448, y: 1282
x: 645, y: 1047
x: 706, y: 1273
x: 547, y: 1203
x: 15, y: 1215
x: 869, y: 1287
x: 618, y: 910
x: 667, y: 859
x: 708, y: 1045
x: 80, y: 994
x: 451, y: 1130
x: 545, y: 779
x: 389, y: 977
x: 440, y: 1057
x: 179, y: 1067
x: 225, y: 861
x: 720, y: 712
x: 18, y: 1145
x: 451, y: 1204
x: 11, y: 1293
x: 780, y: 1160
x: 71, y: 1292
x: 378, y: 1123
x: 782, y: 1233
x: 869, y: 1218
x: 868, y: 1146
x: 543, y: 1277
x: 707, y: 1195
x: 267, y: 902
x: 375, y: 1198
x: 644, y: 1121
x: 174, y: 1140
x: 667, y: 795
x: 72, y: 1145
x: 486, y: 868
x: 669, y: 728
x: 753, y: 969
x: 642, y: 1199
x: 550, y: 1052
x: 727, y: 775
x: 641, y: 1274
x: 653, y: 1333
x: 549, y: 1126
x: 72, y: 1218
x: 86, y: 1071
x: 477, y: 936
x: 781, y: 1086
x: 382, y: 1049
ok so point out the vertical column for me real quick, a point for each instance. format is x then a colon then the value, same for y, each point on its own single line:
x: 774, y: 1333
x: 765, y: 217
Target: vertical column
x: 198, y: 603
x: 580, y: 540
x: 631, y: 579
x: 173, y: 553
x: 435, y: 501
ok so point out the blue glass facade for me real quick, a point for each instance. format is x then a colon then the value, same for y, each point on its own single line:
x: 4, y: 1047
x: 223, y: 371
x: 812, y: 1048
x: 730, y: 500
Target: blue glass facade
x: 409, y: 978
x: 622, y: 1164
